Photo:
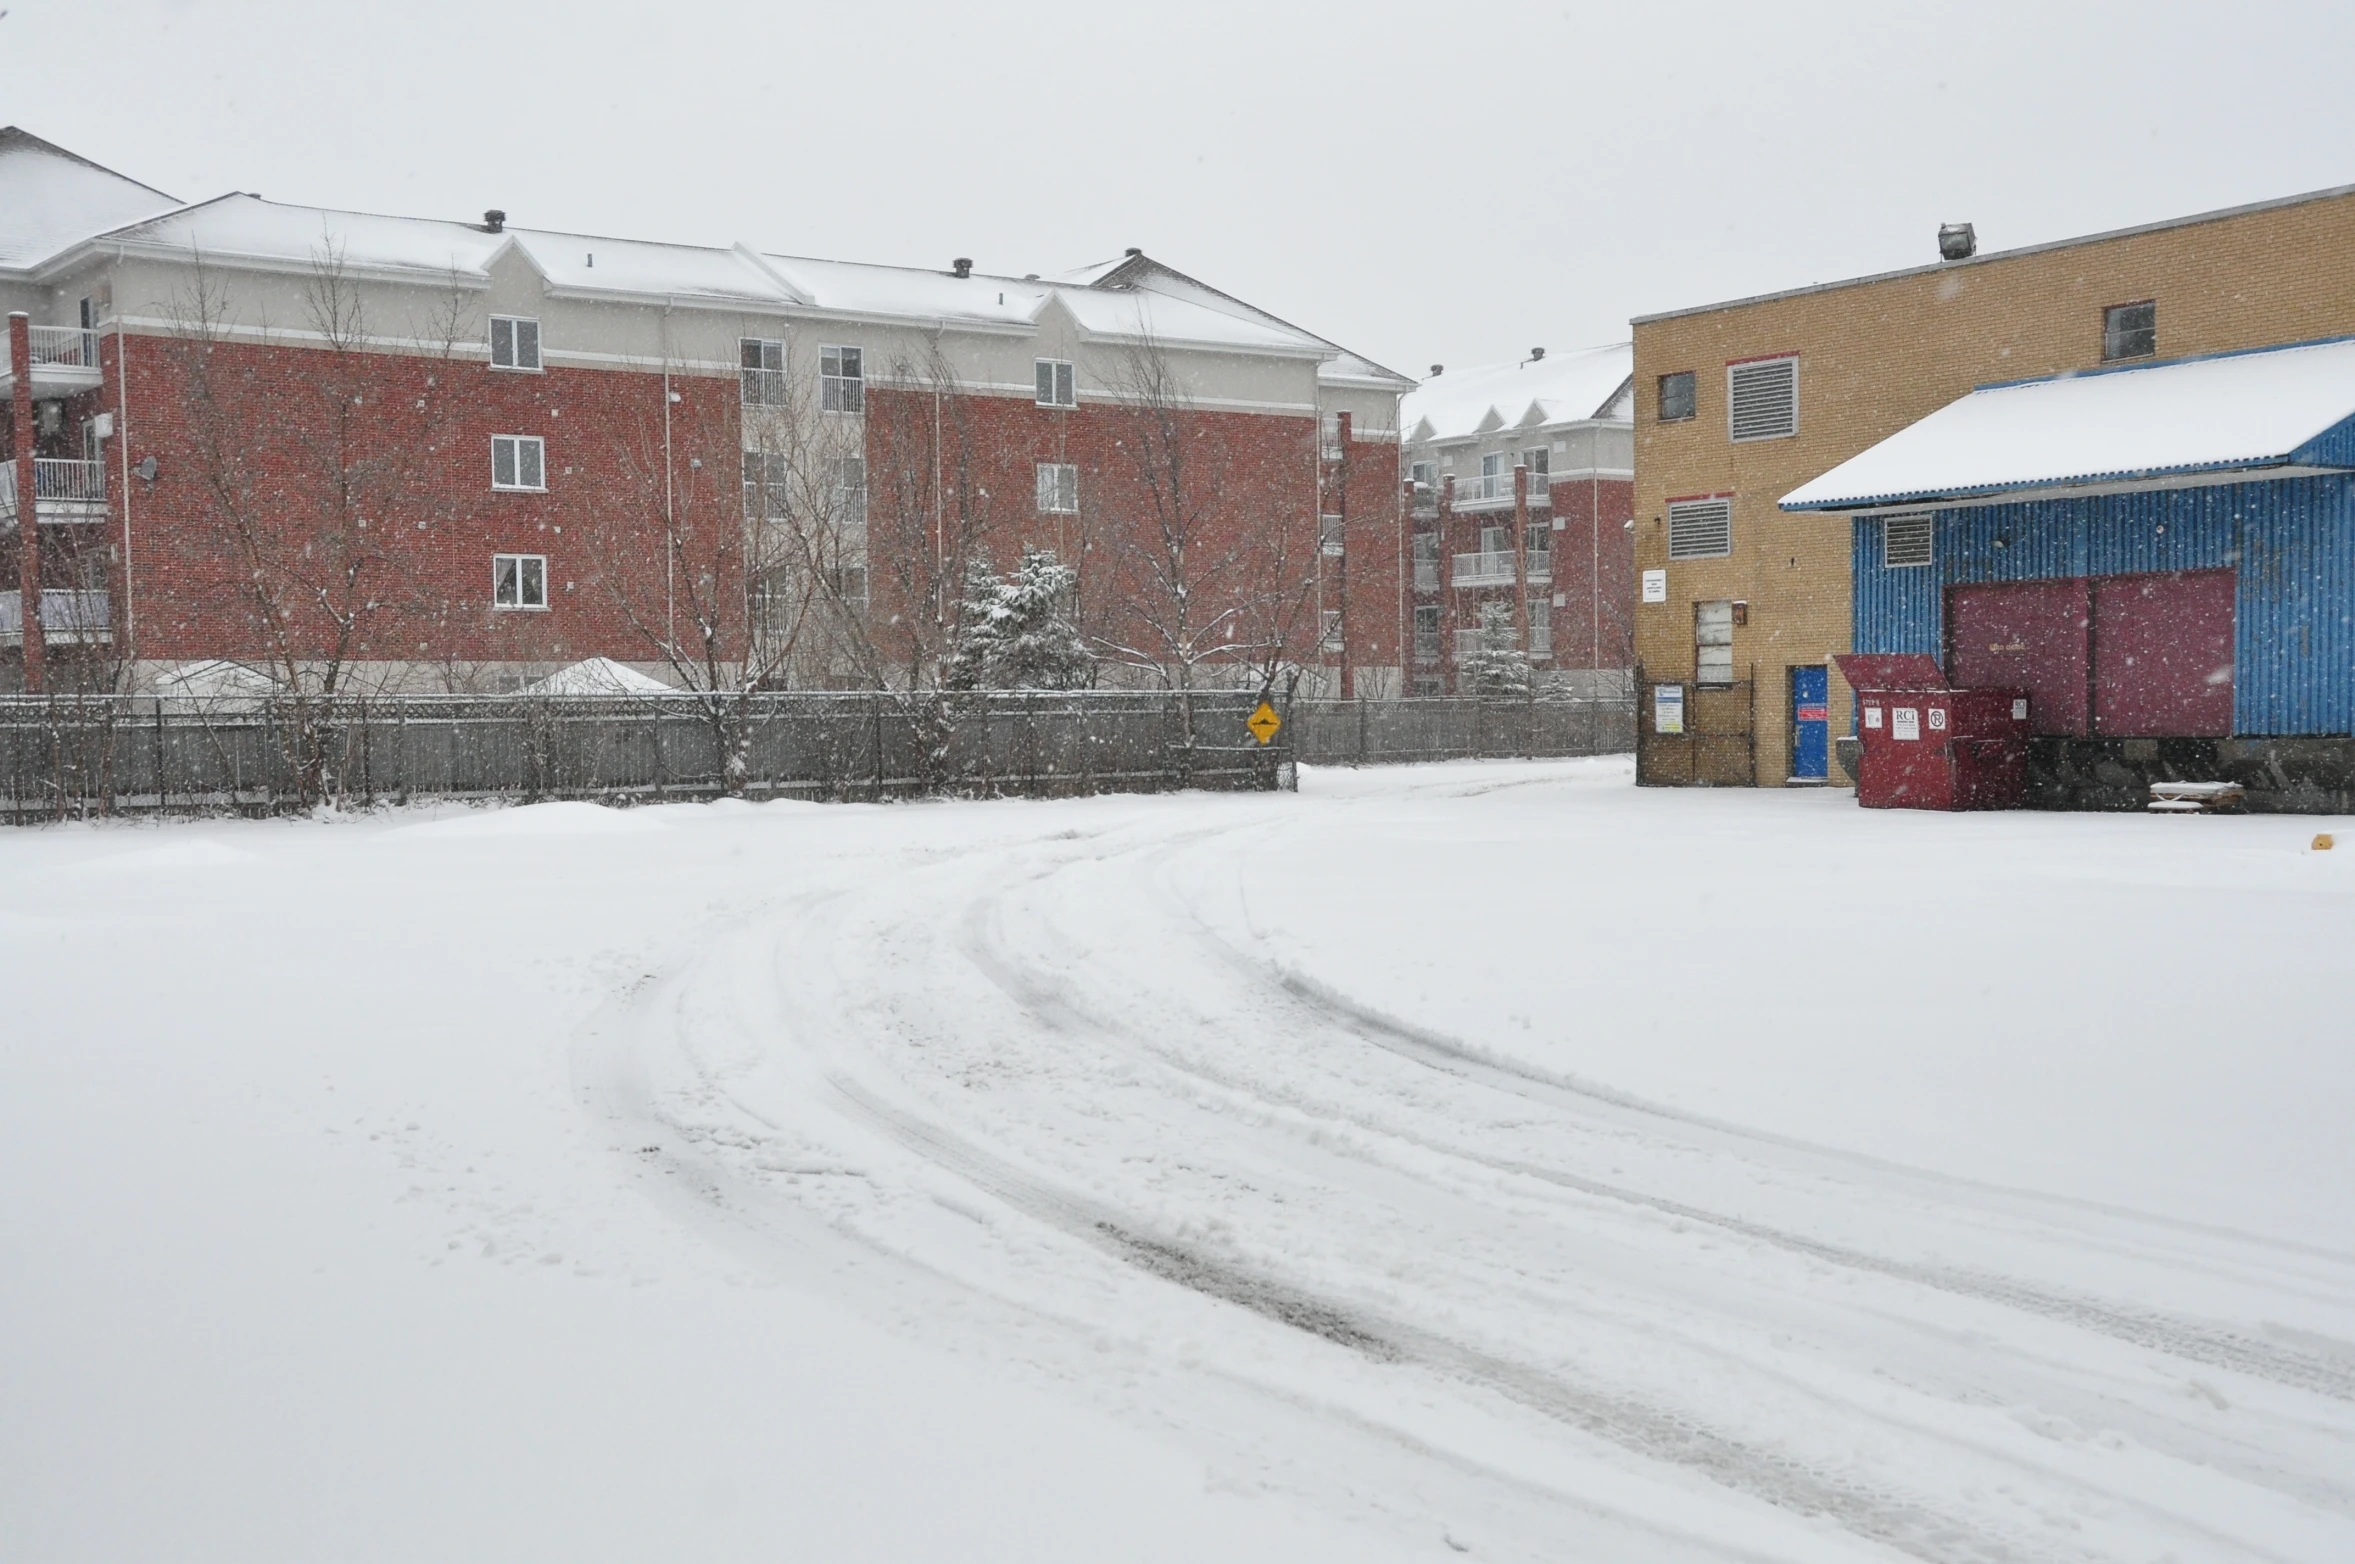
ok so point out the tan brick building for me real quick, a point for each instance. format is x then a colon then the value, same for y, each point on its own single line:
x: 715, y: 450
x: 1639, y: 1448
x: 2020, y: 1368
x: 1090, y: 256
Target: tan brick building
x: 1738, y: 404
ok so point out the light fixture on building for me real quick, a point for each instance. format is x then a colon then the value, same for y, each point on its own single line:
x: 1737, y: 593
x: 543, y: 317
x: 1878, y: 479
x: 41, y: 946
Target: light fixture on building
x: 1957, y: 241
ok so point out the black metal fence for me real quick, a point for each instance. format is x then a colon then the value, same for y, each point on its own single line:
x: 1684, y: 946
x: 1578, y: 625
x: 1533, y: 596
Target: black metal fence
x: 69, y: 757
x: 1449, y: 728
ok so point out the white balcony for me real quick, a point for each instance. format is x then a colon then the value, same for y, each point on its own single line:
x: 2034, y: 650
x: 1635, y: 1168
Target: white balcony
x: 65, y: 361
x: 1496, y: 570
x: 1489, y: 491
x: 65, y: 490
x: 68, y: 614
x: 1541, y: 642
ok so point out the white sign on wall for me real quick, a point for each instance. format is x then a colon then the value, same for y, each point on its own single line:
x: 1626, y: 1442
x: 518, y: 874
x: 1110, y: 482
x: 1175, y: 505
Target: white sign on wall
x: 1655, y: 586
x: 1667, y: 708
x: 1937, y: 719
x: 1872, y: 716
x: 1905, y: 722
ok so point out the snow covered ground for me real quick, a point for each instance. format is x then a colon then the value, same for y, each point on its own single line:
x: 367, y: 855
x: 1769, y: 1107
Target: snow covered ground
x: 1483, y: 1159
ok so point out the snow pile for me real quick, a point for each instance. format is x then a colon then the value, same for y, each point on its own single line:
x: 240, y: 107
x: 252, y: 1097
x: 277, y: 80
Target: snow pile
x: 2238, y: 410
x: 1441, y: 1161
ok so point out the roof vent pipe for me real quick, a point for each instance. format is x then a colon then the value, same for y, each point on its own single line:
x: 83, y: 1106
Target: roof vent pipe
x: 1133, y: 250
x: 1535, y: 354
x: 1957, y: 241
x: 494, y: 221
x: 1437, y: 370
x: 962, y: 266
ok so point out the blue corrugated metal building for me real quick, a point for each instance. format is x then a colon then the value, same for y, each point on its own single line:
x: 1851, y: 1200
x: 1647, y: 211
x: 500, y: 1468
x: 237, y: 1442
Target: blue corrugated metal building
x: 2242, y: 463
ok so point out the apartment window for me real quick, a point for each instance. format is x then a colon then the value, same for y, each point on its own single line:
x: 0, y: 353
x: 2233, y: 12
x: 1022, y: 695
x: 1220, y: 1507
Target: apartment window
x: 515, y: 342
x: 764, y: 483
x: 764, y: 371
x: 842, y: 380
x: 1537, y: 459
x: 1494, y: 467
x: 2130, y: 330
x: 1762, y: 399
x: 1424, y: 475
x: 1056, y: 387
x: 1331, y: 533
x: 519, y: 581
x: 848, y: 477
x: 1058, y: 488
x: 1539, y: 542
x: 1713, y: 643
x: 1330, y: 620
x: 1427, y: 633
x: 1701, y: 529
x: 1676, y: 397
x: 1427, y: 562
x: 1541, y: 626
x: 1426, y: 684
x: 519, y: 461
x: 1907, y: 541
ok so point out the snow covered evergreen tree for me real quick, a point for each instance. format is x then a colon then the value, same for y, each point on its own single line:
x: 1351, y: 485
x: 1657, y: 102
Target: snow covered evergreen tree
x: 1498, y: 670
x: 1015, y: 632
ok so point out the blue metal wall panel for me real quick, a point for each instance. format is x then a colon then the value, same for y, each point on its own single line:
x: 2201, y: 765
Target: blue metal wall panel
x: 2334, y: 447
x: 2291, y: 542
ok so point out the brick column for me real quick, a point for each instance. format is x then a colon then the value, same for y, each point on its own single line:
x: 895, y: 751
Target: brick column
x: 1341, y: 574
x: 1521, y: 556
x: 28, y: 519
x: 1447, y: 584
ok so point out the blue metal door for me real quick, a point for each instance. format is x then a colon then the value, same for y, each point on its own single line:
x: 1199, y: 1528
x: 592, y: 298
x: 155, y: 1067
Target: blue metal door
x: 1811, y: 724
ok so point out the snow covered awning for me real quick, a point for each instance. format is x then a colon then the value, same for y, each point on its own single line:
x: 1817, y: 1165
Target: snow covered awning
x: 2269, y: 413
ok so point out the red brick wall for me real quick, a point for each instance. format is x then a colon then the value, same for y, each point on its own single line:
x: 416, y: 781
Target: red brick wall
x: 1594, y: 574
x: 402, y: 480
x: 264, y: 423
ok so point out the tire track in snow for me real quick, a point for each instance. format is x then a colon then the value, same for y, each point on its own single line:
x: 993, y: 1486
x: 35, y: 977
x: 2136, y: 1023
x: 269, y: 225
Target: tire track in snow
x: 1865, y: 1510
x: 2278, y: 1362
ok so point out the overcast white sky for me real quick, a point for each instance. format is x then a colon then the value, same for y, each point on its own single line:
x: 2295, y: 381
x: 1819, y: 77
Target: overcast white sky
x: 1424, y: 183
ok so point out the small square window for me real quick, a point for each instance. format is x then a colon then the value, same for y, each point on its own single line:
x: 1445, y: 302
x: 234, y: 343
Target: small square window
x: 519, y: 461
x: 1676, y: 397
x: 2130, y: 330
x: 842, y: 380
x: 519, y: 581
x: 515, y: 342
x: 1056, y: 387
x: 1058, y: 488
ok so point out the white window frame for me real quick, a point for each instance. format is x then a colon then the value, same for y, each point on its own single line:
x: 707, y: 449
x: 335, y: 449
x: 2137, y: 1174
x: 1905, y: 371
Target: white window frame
x: 760, y: 371
x: 846, y: 481
x: 1734, y: 374
x: 1701, y: 511
x: 1057, y: 383
x: 1927, y: 536
x: 1692, y: 392
x: 1704, y: 664
x: 515, y: 342
x: 526, y: 566
x: 1329, y: 629
x: 1539, y: 460
x: 518, y: 444
x: 842, y: 379
x: 1058, y: 489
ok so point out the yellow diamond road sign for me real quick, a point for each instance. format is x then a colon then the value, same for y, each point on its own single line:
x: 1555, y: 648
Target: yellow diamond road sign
x: 1263, y: 723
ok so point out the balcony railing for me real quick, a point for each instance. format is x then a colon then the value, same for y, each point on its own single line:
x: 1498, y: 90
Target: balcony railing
x: 62, y: 347
x: 1541, y: 642
x: 67, y: 614
x: 763, y: 387
x: 1488, y: 570
x: 1496, y: 488
x: 67, y: 490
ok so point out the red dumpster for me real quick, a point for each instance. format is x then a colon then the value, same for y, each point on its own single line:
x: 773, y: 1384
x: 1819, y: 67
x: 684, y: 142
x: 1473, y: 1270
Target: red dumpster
x: 1929, y: 746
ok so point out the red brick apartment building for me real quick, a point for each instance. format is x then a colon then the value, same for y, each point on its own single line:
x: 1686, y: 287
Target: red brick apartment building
x: 417, y: 454
x: 1562, y: 533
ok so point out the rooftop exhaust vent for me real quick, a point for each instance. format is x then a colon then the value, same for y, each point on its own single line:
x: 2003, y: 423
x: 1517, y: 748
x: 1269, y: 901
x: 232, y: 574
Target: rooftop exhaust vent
x: 1535, y: 354
x: 1437, y: 370
x: 1957, y: 241
x: 962, y: 266
x: 494, y: 221
x: 1133, y: 250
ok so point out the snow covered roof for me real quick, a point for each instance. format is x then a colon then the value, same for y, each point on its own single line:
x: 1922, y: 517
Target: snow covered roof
x: 50, y: 199
x: 600, y: 676
x: 2288, y: 407
x: 1134, y: 300
x: 1585, y: 383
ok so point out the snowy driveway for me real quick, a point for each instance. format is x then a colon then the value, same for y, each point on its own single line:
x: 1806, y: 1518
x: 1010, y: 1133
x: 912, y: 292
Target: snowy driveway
x: 1486, y: 1159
